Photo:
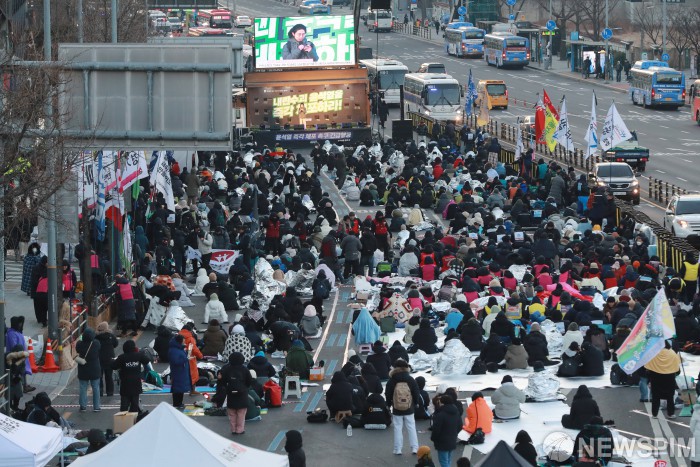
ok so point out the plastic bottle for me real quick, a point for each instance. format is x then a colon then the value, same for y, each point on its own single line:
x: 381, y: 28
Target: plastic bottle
x: 349, y: 430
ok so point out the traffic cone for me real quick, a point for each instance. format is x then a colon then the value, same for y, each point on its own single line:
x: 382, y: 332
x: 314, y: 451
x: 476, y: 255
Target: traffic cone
x: 49, y: 362
x: 32, y: 359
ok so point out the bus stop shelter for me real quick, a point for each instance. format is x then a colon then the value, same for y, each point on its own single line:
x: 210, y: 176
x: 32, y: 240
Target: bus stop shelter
x: 578, y: 51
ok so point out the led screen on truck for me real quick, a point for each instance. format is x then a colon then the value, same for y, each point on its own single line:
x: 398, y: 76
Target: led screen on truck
x: 304, y: 42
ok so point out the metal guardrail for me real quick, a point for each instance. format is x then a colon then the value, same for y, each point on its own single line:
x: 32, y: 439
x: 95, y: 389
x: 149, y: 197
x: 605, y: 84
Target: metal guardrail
x: 78, y: 323
x: 426, y: 32
x: 5, y: 396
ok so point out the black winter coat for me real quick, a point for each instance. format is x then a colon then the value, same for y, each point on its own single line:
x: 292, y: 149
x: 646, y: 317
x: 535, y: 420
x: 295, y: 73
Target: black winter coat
x: 397, y: 351
x: 130, y: 366
x: 376, y: 411
x: 494, y: 351
x: 382, y: 363
x: 401, y: 375
x: 592, y: 361
x: 108, y: 342
x: 583, y: 408
x: 424, y: 339
x: 472, y: 336
x: 339, y: 394
x: 262, y: 367
x: 162, y: 343
x: 89, y: 349
x: 240, y: 400
x: 447, y: 423
x: 536, y: 345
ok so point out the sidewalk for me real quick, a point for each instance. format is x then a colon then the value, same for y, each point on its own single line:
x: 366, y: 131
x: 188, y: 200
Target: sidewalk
x: 18, y: 303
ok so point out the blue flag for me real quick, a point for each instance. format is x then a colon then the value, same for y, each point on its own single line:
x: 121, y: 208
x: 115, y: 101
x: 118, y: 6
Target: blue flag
x: 471, y: 95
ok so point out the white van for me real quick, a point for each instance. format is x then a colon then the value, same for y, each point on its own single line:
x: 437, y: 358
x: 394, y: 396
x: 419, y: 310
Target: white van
x: 379, y: 20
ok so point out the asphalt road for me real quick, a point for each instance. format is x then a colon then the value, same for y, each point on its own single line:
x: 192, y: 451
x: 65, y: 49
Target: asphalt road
x: 671, y: 135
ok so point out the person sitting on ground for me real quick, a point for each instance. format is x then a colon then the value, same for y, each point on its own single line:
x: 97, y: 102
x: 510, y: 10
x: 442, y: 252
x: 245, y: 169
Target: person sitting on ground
x: 214, y: 339
x: 376, y: 415
x: 525, y: 447
x: 479, y: 415
x: 507, y: 399
x: 516, y: 356
x: 261, y: 365
x: 397, y: 351
x: 423, y: 402
x: 424, y: 338
x: 536, y: 346
x: 381, y: 361
x: 583, y: 409
x: 310, y: 325
x: 472, y: 335
x: 494, y: 351
x: 594, y: 443
x: 214, y: 309
x: 339, y: 394
x: 369, y: 374
x: 591, y: 360
x: 298, y: 360
x: 210, y: 287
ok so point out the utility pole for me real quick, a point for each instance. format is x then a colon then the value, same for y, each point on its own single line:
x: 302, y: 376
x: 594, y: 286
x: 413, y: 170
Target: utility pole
x: 114, y: 21
x: 607, y: 47
x: 52, y: 274
x: 80, y: 22
x: 663, y: 33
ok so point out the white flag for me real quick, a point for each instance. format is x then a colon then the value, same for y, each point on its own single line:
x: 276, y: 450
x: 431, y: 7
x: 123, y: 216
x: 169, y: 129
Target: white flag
x: 86, y: 169
x: 133, y: 167
x: 160, y: 179
x: 563, y: 133
x: 519, y: 146
x: 614, y: 130
x: 592, y: 132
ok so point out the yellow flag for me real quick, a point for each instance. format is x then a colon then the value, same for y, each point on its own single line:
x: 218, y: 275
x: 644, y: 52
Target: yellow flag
x: 482, y: 119
x: 551, y: 122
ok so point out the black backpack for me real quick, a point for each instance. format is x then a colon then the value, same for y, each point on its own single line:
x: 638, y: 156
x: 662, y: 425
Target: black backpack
x: 618, y: 377
x: 235, y: 386
x: 321, y: 291
x: 478, y: 368
x: 569, y: 367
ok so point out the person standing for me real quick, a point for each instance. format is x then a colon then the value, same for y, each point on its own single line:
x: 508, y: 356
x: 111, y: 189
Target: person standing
x: 236, y: 378
x: 179, y: 370
x: 383, y: 112
x: 89, y: 372
x: 447, y: 424
x: 69, y: 280
x: 193, y: 354
x: 401, y: 393
x: 108, y: 342
x: 689, y: 274
x: 695, y: 430
x: 662, y: 371
x: 587, y: 67
x: 41, y: 295
x: 31, y: 260
x: 618, y: 71
x: 204, y: 243
x: 13, y: 338
x: 130, y: 365
x: 126, y: 305
x: 351, y: 247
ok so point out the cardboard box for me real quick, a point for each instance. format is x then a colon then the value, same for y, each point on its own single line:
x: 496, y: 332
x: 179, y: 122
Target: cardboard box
x: 123, y: 421
x: 362, y: 297
x: 316, y: 374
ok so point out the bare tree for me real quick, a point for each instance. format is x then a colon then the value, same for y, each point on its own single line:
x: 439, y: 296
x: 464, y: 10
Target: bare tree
x: 649, y: 21
x: 678, y: 32
x: 562, y: 13
x: 593, y: 16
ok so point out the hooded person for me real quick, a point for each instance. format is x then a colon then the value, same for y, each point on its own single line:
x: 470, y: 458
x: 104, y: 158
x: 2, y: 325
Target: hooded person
x: 494, y: 351
x: 525, y: 447
x: 15, y: 360
x: 376, y: 415
x: 536, y: 346
x: 310, y: 325
x: 294, y: 450
x: 193, y: 353
x: 397, y: 351
x: 161, y: 344
x: 214, y: 339
x: 43, y: 412
x: 380, y: 360
x: 298, y: 360
x: 131, y: 364
x: 472, y: 335
x: 447, y: 423
x: 89, y: 374
x: 108, y: 342
x: 583, y: 409
x: 661, y: 371
x: 365, y: 329
x: 96, y: 439
x: 516, y: 355
x: 372, y: 381
x: 236, y: 380
x: 202, y: 280
x: 573, y: 334
x: 238, y: 342
x: 214, y: 309
x: 14, y: 337
x: 339, y: 394
x: 261, y: 365
x: 424, y: 338
x: 181, y: 381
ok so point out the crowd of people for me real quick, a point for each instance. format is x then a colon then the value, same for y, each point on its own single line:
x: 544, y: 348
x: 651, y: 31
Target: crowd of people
x: 535, y: 243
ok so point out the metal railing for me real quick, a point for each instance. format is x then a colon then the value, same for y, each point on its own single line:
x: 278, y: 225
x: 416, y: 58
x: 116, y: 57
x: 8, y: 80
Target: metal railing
x: 78, y: 323
x: 5, y: 397
x: 426, y: 32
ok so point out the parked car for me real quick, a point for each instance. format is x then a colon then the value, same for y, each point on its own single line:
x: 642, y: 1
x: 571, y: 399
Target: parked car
x: 683, y: 216
x: 618, y: 177
x: 242, y: 21
x: 314, y: 7
x: 175, y: 24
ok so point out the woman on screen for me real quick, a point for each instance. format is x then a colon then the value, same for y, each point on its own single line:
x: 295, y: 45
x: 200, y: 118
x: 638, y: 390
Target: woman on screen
x: 297, y: 47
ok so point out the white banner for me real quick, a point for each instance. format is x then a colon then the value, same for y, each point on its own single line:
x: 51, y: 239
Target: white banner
x: 133, y: 167
x: 614, y: 130
x: 563, y: 133
x: 160, y: 179
x: 87, y: 179
x: 519, y: 146
x: 221, y: 260
x: 592, y: 132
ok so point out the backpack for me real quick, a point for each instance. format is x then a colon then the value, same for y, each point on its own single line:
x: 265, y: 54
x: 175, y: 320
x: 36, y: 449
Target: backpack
x: 402, y: 399
x: 321, y: 291
x: 273, y: 394
x: 569, y: 367
x: 235, y: 386
x: 387, y: 324
x: 478, y: 368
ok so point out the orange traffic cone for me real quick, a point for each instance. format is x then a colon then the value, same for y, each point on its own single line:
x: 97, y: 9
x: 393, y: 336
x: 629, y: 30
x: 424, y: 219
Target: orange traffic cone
x: 32, y: 359
x: 49, y: 362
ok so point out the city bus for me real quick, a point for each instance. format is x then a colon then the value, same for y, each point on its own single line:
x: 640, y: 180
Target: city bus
x: 386, y: 76
x: 695, y: 101
x: 208, y: 32
x: 218, y: 19
x: 657, y: 86
x: 433, y: 95
x: 504, y: 49
x: 464, y: 41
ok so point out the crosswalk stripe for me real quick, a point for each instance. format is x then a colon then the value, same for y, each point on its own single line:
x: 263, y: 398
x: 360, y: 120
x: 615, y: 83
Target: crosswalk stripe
x: 13, y: 271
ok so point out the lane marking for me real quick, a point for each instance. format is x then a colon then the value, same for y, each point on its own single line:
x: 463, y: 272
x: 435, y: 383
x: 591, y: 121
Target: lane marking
x: 331, y: 340
x: 325, y: 332
x: 340, y: 317
x: 314, y: 402
x: 682, y: 179
x: 302, y: 402
x: 331, y: 366
x: 640, y: 412
x: 341, y: 340
x: 275, y: 443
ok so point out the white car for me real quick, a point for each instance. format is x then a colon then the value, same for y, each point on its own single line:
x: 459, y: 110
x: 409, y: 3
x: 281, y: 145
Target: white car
x: 242, y: 21
x: 682, y: 216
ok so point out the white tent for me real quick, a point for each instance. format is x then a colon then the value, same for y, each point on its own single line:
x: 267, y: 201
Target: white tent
x: 27, y: 445
x: 167, y: 437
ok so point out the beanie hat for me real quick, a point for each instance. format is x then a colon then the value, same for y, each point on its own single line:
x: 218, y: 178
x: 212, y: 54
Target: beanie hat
x: 534, y: 327
x: 625, y: 298
x: 297, y: 343
x: 213, y: 297
x: 238, y: 329
x: 260, y: 353
x: 103, y: 327
x: 507, y: 379
x: 423, y: 451
x: 310, y: 311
